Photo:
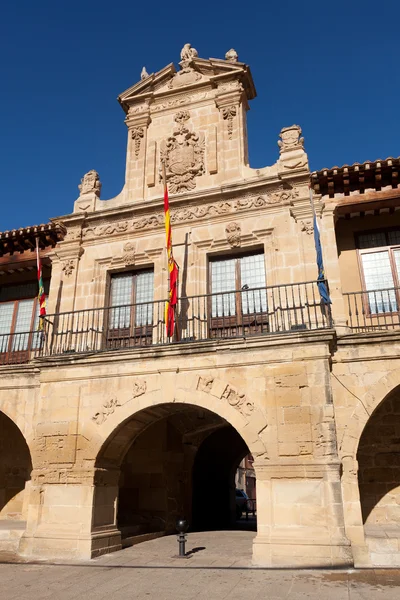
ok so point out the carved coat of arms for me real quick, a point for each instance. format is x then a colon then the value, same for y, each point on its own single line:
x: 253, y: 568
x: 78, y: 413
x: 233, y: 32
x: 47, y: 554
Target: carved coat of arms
x: 183, y: 156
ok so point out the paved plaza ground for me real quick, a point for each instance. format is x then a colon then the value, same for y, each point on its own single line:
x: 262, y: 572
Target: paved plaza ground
x: 219, y: 567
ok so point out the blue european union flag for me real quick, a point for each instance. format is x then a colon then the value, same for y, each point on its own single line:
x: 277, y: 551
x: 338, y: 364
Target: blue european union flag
x: 321, y: 283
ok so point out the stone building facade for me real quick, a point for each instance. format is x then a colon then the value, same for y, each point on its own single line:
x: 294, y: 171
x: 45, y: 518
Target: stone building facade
x: 110, y: 430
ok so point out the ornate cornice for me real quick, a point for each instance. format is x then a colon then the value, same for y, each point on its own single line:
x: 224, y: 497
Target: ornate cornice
x: 279, y: 196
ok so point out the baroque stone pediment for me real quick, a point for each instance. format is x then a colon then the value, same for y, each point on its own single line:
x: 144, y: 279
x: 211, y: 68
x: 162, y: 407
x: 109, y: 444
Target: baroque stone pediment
x: 193, y: 72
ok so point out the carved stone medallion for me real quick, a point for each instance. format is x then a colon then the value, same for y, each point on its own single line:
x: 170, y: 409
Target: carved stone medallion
x: 233, y: 232
x: 129, y: 254
x: 183, y: 156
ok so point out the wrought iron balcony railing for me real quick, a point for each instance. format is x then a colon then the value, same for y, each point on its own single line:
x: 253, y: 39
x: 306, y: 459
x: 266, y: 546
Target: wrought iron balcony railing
x: 373, y: 310
x: 234, y: 314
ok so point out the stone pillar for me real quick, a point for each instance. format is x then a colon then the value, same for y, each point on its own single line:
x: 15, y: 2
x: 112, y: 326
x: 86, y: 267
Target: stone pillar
x: 300, y: 516
x: 353, y: 520
x: 71, y: 514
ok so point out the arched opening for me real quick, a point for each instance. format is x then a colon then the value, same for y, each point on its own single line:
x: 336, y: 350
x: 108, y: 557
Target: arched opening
x: 378, y: 458
x: 15, y: 471
x: 172, y: 460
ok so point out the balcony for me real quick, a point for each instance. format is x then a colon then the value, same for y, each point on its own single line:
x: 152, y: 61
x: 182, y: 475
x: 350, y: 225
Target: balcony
x: 374, y: 310
x: 227, y: 315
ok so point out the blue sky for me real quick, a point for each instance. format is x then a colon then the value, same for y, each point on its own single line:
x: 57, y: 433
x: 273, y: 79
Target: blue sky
x: 332, y: 68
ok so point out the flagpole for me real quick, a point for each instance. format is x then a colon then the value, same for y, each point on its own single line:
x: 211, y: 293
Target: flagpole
x: 170, y: 256
x: 321, y: 281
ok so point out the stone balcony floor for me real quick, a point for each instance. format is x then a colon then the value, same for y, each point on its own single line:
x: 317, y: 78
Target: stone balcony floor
x: 219, y: 568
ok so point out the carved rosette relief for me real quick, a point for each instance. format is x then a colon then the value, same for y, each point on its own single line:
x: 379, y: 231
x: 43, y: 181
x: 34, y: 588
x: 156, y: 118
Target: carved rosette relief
x: 227, y: 392
x: 233, y: 232
x: 90, y: 183
x: 108, y: 408
x: 137, y: 136
x: 229, y: 113
x: 183, y: 156
x: 307, y: 227
x: 68, y: 267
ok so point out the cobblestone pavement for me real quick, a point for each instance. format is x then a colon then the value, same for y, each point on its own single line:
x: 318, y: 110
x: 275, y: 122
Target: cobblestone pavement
x: 219, y: 567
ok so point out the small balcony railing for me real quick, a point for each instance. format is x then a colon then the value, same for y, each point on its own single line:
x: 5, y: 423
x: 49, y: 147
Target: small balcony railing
x: 238, y: 314
x: 373, y: 310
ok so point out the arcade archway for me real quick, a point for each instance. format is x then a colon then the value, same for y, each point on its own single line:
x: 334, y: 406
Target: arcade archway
x: 173, y: 460
x: 15, y: 470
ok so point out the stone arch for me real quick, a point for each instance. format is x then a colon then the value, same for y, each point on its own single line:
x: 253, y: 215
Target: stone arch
x: 378, y: 458
x: 348, y: 447
x: 205, y: 391
x: 122, y: 421
x: 363, y: 410
x: 15, y: 469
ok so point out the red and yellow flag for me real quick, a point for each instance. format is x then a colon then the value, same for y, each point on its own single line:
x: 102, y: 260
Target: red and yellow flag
x: 172, y: 268
x: 41, y: 295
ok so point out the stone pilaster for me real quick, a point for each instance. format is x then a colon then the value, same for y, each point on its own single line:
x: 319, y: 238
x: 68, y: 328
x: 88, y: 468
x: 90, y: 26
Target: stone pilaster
x: 232, y: 105
x: 332, y: 269
x: 137, y: 153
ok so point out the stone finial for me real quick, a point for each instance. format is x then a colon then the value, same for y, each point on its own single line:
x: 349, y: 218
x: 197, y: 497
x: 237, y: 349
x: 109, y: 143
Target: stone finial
x: 188, y: 53
x: 231, y: 56
x: 90, y: 183
x: 290, y: 139
x: 144, y: 74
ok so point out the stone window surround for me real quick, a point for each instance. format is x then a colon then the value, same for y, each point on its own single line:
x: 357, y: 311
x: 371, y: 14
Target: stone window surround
x: 389, y: 248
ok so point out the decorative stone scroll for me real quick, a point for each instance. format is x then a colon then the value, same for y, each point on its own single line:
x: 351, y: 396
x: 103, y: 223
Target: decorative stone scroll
x: 228, y: 113
x: 183, y: 156
x: 108, y: 408
x: 233, y: 231
x: 101, y: 230
x: 137, y: 136
x: 238, y: 400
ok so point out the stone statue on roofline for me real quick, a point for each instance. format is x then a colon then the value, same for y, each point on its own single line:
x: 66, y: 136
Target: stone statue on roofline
x: 90, y: 183
x: 231, y: 56
x: 188, y: 53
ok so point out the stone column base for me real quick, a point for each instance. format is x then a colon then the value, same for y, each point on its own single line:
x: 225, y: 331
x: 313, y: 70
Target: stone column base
x: 309, y: 553
x: 61, y: 545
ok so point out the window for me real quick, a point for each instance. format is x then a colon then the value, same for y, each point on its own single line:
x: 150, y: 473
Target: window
x: 379, y: 253
x: 19, y: 318
x: 238, y: 295
x: 131, y: 298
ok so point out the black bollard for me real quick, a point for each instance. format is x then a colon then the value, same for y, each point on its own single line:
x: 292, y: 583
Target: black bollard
x: 182, y: 526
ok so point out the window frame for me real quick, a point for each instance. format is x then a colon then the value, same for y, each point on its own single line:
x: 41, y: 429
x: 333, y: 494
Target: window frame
x: 389, y: 248
x: 140, y: 334
x: 240, y: 321
x: 19, y: 355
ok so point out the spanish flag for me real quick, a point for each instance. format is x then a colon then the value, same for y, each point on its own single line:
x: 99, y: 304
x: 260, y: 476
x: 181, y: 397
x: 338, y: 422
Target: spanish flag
x: 172, y: 268
x: 41, y: 295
